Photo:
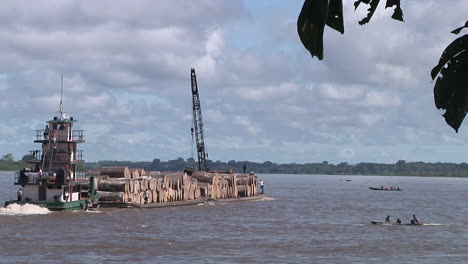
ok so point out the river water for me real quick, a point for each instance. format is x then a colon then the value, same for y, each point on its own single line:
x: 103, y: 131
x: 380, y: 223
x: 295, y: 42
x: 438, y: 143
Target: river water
x: 305, y: 219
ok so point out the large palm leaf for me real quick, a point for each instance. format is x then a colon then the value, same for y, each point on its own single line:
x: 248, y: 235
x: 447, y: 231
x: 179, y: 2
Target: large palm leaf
x: 451, y: 88
x: 315, y: 14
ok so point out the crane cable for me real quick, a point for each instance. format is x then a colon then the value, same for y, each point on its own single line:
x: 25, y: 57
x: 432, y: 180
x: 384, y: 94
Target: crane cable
x: 192, y: 141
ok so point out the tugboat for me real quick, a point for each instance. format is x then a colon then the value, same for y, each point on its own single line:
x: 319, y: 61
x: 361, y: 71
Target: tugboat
x: 55, y: 182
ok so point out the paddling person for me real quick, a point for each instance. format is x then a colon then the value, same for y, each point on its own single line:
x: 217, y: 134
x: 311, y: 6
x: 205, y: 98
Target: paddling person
x: 398, y: 221
x: 415, y: 220
x: 387, y: 220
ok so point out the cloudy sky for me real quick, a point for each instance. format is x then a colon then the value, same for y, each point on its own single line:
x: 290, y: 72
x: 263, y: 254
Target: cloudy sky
x: 126, y: 68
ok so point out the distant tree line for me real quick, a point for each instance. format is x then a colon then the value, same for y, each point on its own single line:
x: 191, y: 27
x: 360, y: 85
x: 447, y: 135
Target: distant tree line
x: 400, y: 168
x: 8, y: 163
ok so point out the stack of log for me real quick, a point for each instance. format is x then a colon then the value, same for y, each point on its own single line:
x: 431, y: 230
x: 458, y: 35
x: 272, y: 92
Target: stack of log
x: 247, y: 185
x: 122, y: 184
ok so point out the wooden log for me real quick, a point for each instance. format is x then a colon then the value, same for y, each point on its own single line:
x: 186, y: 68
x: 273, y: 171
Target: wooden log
x: 242, y: 179
x: 112, y: 186
x: 143, y: 184
x: 95, y: 172
x: 116, y: 172
x: 242, y: 190
x: 102, y: 177
x: 154, y: 173
x: 152, y: 184
x: 135, y: 174
x: 224, y: 171
x: 111, y: 196
x: 208, y: 178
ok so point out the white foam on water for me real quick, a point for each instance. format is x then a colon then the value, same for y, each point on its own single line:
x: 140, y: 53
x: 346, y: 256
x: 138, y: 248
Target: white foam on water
x: 93, y: 211
x: 23, y: 209
x: 444, y: 224
x: 267, y: 199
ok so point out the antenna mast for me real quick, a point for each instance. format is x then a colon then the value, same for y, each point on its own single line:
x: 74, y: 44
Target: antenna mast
x: 61, y: 95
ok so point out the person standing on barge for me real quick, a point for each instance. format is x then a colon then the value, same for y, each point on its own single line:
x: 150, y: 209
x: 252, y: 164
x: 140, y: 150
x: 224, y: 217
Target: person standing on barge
x: 20, y: 194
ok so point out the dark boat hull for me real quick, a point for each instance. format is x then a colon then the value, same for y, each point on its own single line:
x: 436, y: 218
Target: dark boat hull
x: 380, y: 189
x: 383, y: 223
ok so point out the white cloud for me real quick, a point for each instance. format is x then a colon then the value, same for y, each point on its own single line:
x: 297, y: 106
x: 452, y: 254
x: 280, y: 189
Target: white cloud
x: 295, y: 124
x: 214, y: 46
x: 381, y: 99
x: 215, y: 116
x: 267, y: 92
x: 247, y: 124
x: 370, y: 119
x: 127, y: 74
x: 392, y: 75
x: 347, y: 153
x: 340, y: 93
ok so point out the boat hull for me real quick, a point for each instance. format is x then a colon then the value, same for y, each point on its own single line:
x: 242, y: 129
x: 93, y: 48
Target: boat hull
x: 383, y: 223
x: 380, y: 189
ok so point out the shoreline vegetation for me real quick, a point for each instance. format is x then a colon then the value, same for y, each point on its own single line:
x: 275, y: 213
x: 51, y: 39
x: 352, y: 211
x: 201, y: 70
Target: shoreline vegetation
x: 400, y: 168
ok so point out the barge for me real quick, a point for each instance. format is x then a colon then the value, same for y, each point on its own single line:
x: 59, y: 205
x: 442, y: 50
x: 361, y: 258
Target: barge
x: 124, y: 187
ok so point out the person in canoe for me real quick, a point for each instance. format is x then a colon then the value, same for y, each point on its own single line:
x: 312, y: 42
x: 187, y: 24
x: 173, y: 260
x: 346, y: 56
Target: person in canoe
x: 398, y: 221
x: 415, y: 220
x: 387, y: 220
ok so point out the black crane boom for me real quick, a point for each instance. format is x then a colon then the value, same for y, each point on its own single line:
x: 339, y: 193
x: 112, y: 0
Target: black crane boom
x: 198, y: 125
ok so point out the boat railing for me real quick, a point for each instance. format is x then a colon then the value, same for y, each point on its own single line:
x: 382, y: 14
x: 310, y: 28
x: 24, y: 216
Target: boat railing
x: 60, y: 135
x: 34, y: 178
x: 61, y: 157
x: 16, y: 177
x: 35, y: 155
x: 81, y: 176
x: 79, y: 155
x: 29, y: 178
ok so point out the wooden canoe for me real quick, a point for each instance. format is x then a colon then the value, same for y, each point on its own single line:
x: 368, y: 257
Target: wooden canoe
x: 384, y: 189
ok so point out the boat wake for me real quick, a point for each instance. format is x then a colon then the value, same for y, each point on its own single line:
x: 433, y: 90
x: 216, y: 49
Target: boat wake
x: 23, y: 209
x: 445, y: 224
x: 206, y: 203
x: 267, y: 199
x: 92, y: 211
